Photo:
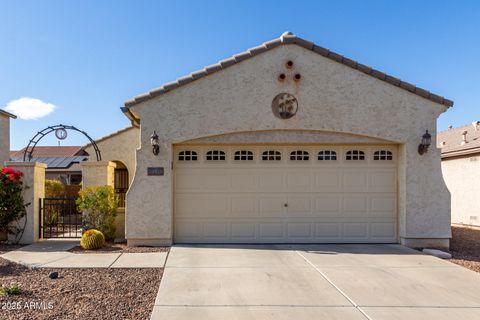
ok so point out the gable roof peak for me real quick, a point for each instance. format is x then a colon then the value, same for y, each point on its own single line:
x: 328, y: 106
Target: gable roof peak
x: 286, y: 38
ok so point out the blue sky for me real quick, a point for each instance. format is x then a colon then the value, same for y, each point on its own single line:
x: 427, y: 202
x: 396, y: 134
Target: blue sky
x: 88, y: 57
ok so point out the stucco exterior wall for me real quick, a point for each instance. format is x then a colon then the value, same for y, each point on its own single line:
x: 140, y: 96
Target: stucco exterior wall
x: 119, y: 147
x: 462, y: 176
x: 4, y: 139
x: 332, y: 98
x: 34, y: 180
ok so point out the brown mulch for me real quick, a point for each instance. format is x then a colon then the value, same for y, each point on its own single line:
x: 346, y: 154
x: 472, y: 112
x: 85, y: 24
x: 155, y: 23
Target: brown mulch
x: 114, y: 294
x: 465, y: 247
x: 120, y: 248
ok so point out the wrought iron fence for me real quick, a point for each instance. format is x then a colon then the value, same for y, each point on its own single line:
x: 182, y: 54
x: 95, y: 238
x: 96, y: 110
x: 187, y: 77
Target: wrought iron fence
x: 60, y: 218
x: 121, y: 186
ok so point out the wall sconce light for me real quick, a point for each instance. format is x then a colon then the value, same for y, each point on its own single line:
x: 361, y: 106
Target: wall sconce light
x: 154, y: 143
x: 426, y: 140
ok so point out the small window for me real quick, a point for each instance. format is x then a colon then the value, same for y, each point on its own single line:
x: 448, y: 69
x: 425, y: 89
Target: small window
x: 271, y: 155
x: 327, y: 155
x: 355, y: 155
x: 216, y: 155
x: 187, y: 155
x: 300, y: 155
x: 243, y: 155
x: 382, y: 155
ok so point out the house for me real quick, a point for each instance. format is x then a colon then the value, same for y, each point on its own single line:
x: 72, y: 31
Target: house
x: 63, y: 162
x: 5, y: 135
x: 287, y: 142
x: 461, y: 171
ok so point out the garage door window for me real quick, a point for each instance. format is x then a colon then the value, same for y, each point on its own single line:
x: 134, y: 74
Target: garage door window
x: 355, y: 155
x: 327, y: 155
x: 187, y: 155
x: 271, y: 155
x: 243, y: 155
x: 299, y: 155
x: 382, y: 155
x: 216, y: 155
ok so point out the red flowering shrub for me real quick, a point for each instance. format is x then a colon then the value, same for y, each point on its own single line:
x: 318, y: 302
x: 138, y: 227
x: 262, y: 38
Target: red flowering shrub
x: 12, y: 207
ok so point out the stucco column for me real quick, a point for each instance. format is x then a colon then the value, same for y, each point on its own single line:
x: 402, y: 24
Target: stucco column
x: 34, y: 190
x: 98, y: 173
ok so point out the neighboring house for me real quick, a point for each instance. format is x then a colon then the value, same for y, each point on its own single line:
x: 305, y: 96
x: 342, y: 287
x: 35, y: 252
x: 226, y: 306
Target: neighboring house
x: 461, y: 171
x: 5, y: 135
x: 287, y: 142
x: 63, y: 162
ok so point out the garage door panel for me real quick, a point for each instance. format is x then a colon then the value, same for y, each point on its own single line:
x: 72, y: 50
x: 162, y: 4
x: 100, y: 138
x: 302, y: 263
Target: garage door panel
x: 201, y: 181
x: 211, y: 205
x: 382, y: 230
x: 285, y: 201
x: 244, y: 230
x: 271, y: 206
x: 328, y: 230
x: 353, y: 180
x: 299, y: 230
x: 299, y: 181
x: 243, y: 206
x: 271, y: 180
x: 357, y: 230
x: 355, y: 206
x: 327, y: 206
x: 271, y: 231
x: 299, y: 206
x: 382, y: 180
x: 244, y: 181
x: 215, y: 229
x: 327, y: 181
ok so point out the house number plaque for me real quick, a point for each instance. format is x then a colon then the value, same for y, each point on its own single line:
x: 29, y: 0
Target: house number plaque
x: 155, y: 171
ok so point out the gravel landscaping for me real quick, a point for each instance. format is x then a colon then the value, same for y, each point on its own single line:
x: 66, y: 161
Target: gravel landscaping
x: 79, y: 293
x: 465, y: 247
x: 119, y: 248
x: 116, y: 294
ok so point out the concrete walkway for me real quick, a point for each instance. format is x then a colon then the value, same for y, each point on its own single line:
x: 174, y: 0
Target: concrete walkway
x: 54, y: 254
x: 314, y: 282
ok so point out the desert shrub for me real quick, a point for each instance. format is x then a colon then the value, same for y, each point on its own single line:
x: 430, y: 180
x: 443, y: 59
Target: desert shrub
x: 12, y: 206
x: 10, y: 290
x: 99, y: 207
x: 92, y: 239
x: 54, y: 189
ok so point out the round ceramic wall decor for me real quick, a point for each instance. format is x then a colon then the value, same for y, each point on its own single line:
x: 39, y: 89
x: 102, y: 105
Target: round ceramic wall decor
x: 284, y: 105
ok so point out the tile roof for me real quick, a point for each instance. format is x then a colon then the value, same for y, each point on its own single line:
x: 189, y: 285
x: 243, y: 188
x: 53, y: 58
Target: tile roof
x: 450, y: 141
x: 8, y: 114
x: 52, y: 151
x: 286, y: 38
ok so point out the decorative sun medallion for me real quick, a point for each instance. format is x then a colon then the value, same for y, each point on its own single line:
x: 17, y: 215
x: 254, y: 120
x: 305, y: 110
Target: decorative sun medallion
x: 61, y: 134
x: 284, y: 106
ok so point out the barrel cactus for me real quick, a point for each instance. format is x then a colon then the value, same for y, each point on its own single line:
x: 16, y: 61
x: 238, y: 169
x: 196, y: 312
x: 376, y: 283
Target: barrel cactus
x: 92, y: 239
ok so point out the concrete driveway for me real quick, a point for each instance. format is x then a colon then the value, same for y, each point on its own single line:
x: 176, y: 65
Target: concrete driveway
x: 314, y: 282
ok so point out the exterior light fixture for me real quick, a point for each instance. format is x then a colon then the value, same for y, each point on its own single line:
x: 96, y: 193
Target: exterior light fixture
x: 154, y: 143
x: 426, y: 140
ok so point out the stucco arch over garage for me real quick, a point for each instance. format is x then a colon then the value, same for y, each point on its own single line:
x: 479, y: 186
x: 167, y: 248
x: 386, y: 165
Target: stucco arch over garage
x: 333, y: 96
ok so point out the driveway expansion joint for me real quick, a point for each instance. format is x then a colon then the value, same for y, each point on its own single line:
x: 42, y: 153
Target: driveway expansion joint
x: 335, y: 286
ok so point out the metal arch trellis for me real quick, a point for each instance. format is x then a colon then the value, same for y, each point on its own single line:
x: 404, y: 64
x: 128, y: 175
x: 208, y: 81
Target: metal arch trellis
x: 28, y: 153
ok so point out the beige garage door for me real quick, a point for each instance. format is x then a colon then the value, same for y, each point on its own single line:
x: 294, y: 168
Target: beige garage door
x: 285, y: 194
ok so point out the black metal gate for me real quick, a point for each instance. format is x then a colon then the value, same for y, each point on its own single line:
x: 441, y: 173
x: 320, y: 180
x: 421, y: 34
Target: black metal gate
x: 59, y: 218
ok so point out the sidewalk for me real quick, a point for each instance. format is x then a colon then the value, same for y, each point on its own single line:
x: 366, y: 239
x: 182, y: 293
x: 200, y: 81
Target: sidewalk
x: 54, y: 254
